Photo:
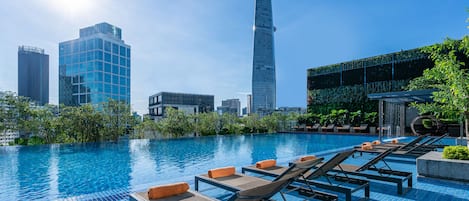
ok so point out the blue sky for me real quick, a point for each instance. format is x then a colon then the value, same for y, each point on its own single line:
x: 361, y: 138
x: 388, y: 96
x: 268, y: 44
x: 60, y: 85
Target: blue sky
x: 205, y: 46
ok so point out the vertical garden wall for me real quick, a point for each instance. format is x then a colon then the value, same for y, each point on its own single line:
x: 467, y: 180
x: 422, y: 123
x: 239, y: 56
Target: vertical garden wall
x: 346, y: 85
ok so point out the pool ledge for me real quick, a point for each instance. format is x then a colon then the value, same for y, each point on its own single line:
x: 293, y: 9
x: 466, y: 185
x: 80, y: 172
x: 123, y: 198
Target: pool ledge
x: 433, y: 165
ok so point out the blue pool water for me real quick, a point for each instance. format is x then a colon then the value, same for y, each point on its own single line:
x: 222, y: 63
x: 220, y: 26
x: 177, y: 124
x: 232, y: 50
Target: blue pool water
x: 74, y: 170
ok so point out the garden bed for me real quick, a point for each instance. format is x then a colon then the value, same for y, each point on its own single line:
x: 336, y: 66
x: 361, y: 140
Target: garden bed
x: 433, y: 165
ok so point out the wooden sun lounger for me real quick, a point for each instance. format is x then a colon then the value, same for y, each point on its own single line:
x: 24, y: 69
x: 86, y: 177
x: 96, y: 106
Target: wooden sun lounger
x: 315, y: 127
x: 409, y: 151
x: 413, y: 152
x: 370, y: 171
x: 328, y: 128
x: 402, y: 146
x: 310, y: 178
x: 362, y: 128
x: 344, y: 128
x: 239, y: 183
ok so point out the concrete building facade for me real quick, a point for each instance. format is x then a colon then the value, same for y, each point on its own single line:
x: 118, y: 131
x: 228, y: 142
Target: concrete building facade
x: 189, y: 103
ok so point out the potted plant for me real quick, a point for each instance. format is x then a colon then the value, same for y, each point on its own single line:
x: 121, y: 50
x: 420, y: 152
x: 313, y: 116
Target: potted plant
x: 371, y: 118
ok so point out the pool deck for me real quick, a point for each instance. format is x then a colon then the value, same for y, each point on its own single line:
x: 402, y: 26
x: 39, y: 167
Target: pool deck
x: 423, y: 188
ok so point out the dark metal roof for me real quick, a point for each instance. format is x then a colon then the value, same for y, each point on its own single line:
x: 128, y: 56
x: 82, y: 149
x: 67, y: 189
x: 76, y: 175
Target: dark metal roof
x: 419, y: 96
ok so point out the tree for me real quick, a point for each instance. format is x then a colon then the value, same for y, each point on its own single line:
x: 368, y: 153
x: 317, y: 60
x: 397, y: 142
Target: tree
x: 450, y: 77
x: 271, y: 122
x: 43, y: 123
x: 16, y: 113
x: 206, y: 123
x: 146, y: 126
x: 175, y: 124
x: 251, y: 123
x: 229, y: 124
x: 116, y: 119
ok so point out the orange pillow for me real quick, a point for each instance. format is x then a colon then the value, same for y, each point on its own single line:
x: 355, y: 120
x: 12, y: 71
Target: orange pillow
x: 376, y: 142
x: 167, y: 190
x: 366, y: 143
x: 394, y: 141
x: 307, y: 158
x: 266, y: 164
x: 367, y: 146
x: 221, y: 172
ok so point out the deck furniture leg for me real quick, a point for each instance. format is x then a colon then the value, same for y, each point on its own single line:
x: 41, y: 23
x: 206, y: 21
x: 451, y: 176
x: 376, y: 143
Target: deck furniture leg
x: 409, y: 182
x: 367, y: 191
x: 399, y: 188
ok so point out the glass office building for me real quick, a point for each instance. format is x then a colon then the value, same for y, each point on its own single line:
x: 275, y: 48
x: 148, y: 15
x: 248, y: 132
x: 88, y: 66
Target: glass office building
x: 95, y: 67
x: 263, y: 71
x: 33, y: 74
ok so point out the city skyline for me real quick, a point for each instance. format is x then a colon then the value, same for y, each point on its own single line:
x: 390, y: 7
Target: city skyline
x: 208, y: 44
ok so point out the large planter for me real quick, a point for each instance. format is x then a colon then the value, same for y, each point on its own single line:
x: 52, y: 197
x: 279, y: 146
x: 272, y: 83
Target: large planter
x: 433, y: 165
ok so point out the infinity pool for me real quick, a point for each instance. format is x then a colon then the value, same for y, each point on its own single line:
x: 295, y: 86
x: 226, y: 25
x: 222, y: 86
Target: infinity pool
x: 82, y: 170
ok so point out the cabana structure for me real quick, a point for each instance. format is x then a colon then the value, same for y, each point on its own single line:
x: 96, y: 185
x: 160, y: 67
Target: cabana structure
x: 394, y: 113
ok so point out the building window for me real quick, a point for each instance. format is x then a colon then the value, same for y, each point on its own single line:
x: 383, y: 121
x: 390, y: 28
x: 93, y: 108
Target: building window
x: 115, y: 69
x: 107, y: 57
x: 107, y: 67
x: 122, y: 51
x: 115, y: 59
x: 115, y: 49
x: 107, y: 46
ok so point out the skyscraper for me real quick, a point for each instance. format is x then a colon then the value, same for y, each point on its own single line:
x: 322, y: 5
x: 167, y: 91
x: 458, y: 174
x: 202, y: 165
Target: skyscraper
x: 95, y: 67
x: 33, y: 74
x: 263, y: 69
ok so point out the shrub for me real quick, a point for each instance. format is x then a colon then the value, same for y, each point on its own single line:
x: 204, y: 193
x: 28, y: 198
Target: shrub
x: 456, y: 152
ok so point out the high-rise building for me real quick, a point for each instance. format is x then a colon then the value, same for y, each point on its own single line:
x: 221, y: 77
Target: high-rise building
x: 95, y: 67
x: 188, y: 103
x: 263, y: 69
x: 232, y: 106
x: 33, y: 74
x: 249, y: 104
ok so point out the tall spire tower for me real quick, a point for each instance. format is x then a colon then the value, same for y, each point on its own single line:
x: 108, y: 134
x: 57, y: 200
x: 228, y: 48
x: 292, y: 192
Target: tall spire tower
x: 263, y: 65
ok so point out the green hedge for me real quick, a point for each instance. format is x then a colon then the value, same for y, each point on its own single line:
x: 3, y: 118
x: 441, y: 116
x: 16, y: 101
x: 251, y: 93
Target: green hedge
x: 456, y: 152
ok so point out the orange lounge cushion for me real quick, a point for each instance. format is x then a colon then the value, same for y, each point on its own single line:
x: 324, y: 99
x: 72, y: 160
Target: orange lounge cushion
x: 367, y: 146
x: 376, y: 142
x: 394, y: 141
x: 307, y: 158
x: 221, y: 172
x: 167, y: 190
x: 266, y: 164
